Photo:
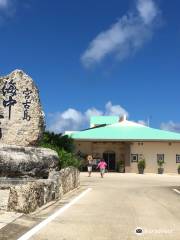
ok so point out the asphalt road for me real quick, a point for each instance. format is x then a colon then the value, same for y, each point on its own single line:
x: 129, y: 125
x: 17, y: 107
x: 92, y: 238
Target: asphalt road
x: 116, y: 206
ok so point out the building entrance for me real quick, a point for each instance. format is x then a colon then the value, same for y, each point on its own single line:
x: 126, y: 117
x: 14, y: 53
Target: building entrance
x: 110, y: 159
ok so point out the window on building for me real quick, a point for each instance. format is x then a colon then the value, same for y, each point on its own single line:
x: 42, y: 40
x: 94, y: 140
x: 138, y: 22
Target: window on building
x: 160, y: 157
x: 134, y: 157
x: 178, y: 158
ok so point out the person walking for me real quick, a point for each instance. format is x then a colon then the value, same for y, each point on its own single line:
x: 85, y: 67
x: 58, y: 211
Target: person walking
x: 89, y: 165
x: 102, y: 166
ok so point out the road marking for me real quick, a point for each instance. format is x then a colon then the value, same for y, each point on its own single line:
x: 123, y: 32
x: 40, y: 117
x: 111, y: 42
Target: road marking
x: 38, y: 227
x: 177, y: 191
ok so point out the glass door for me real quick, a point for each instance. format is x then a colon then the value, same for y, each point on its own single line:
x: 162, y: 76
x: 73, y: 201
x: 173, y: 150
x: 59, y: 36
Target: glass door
x: 110, y: 159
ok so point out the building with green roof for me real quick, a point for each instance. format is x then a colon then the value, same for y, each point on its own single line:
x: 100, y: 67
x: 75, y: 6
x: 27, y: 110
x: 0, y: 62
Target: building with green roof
x: 122, y: 142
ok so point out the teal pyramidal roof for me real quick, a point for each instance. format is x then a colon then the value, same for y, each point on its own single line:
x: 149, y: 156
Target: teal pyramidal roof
x: 125, y: 131
x: 96, y: 120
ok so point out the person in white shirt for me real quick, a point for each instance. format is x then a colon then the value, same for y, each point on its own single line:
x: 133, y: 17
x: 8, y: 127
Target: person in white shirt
x: 89, y: 165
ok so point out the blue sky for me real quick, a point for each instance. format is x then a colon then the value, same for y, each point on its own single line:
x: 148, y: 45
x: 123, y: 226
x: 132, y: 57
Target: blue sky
x: 96, y: 57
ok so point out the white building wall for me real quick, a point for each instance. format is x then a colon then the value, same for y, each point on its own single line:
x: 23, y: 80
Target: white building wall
x: 150, y: 150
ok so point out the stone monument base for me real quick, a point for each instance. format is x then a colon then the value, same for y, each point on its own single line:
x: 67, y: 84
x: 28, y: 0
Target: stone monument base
x: 25, y: 162
x: 26, y: 196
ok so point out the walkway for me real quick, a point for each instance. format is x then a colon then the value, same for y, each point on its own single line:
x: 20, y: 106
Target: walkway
x: 115, y: 207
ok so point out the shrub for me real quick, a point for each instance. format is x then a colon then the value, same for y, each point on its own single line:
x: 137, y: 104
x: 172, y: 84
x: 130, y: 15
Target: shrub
x: 142, y: 164
x: 121, y: 163
x: 121, y: 166
x: 64, y: 146
x: 68, y: 159
x: 178, y: 169
x: 160, y: 163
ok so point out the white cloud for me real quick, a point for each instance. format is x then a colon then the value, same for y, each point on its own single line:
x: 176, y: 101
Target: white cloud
x: 7, y: 9
x: 4, y: 4
x: 147, y: 10
x: 115, y: 110
x: 72, y: 119
x: 93, y: 112
x: 171, y: 126
x: 124, y: 37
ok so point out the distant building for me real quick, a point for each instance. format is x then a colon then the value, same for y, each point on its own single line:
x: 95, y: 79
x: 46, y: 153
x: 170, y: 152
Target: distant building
x: 117, y: 140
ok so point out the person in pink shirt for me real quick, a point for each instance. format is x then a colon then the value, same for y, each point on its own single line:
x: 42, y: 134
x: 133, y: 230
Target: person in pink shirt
x: 102, y: 166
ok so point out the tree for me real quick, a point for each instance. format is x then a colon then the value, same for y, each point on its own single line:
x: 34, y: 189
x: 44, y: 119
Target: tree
x: 64, y: 146
x: 57, y: 141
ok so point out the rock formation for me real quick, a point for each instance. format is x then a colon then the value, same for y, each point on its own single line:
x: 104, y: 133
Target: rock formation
x: 16, y: 161
x: 21, y: 127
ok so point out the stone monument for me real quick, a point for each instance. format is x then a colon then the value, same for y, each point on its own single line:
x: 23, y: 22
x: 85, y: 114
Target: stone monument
x: 21, y: 127
x: 21, y: 115
x: 29, y: 175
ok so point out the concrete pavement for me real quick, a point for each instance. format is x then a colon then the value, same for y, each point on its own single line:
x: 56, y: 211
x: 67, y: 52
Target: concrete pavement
x: 115, y: 207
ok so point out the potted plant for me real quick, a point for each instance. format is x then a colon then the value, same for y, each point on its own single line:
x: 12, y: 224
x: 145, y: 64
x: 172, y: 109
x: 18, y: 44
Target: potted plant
x: 121, y: 166
x: 178, y: 169
x: 160, y: 163
x: 141, y: 166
